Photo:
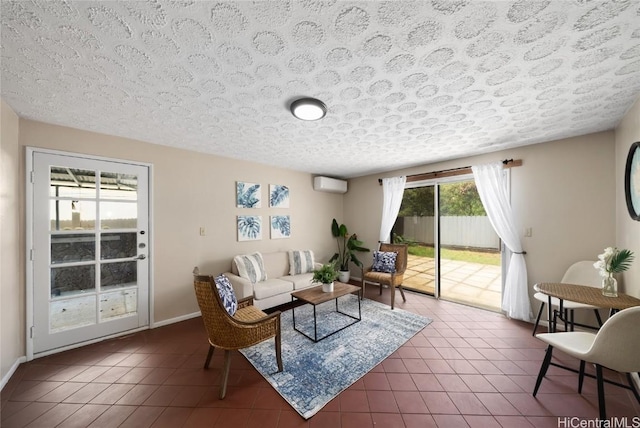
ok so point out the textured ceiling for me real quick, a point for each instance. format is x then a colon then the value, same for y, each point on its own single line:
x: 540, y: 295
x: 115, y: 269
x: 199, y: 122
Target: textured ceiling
x: 406, y: 83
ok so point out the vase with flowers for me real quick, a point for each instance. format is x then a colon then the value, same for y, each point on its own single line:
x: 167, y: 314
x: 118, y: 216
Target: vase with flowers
x: 610, y: 262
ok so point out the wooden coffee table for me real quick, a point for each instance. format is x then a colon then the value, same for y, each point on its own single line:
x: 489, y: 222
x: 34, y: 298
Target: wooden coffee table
x: 315, y: 296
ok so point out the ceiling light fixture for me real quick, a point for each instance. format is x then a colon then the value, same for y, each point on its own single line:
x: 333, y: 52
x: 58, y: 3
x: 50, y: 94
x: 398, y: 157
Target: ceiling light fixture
x: 308, y: 109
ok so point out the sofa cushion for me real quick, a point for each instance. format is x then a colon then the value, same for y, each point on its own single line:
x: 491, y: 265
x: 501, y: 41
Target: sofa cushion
x: 271, y: 287
x: 276, y: 264
x: 304, y: 280
x: 251, y: 267
x: 227, y: 296
x: 384, y: 261
x: 300, y: 261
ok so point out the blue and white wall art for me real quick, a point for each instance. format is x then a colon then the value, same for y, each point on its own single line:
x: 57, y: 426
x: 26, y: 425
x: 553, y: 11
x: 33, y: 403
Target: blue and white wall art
x: 280, y: 226
x: 248, y: 195
x: 278, y: 196
x: 249, y: 228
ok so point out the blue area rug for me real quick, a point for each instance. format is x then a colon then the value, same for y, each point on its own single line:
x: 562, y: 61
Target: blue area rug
x: 314, y: 373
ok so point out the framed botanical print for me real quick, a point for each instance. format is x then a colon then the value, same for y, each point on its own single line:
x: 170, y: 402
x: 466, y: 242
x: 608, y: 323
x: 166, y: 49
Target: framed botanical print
x: 248, y: 195
x: 249, y: 227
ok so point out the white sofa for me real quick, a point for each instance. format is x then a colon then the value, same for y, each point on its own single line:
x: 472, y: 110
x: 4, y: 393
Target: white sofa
x: 277, y: 288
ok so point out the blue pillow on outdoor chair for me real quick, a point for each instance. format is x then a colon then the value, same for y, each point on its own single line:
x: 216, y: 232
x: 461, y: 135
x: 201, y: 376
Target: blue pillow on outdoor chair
x: 384, y: 261
x: 228, y: 297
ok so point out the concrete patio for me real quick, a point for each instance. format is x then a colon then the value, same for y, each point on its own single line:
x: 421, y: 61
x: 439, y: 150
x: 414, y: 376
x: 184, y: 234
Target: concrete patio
x: 469, y: 283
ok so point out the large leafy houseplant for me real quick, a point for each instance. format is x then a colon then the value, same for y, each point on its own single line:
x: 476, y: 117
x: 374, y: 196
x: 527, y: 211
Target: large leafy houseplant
x: 348, y: 245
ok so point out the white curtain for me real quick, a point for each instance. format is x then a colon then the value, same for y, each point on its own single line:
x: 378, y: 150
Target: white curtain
x: 392, y: 190
x: 492, y: 187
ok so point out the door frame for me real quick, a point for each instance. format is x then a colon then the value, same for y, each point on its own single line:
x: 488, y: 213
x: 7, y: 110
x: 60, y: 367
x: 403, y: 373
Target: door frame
x: 29, y: 241
x: 505, y: 253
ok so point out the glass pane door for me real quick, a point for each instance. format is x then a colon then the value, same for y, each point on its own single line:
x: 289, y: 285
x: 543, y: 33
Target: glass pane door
x: 454, y: 252
x: 470, y: 259
x: 415, y: 226
x: 90, y: 249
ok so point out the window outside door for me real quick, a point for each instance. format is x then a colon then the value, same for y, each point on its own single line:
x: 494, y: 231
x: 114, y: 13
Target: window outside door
x: 89, y: 249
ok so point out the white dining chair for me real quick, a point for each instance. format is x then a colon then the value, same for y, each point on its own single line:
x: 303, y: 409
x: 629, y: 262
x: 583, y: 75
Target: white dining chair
x: 580, y: 273
x: 615, y: 346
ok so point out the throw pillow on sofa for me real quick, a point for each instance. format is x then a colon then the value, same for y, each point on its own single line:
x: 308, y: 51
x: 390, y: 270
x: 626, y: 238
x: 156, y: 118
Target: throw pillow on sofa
x: 300, y: 261
x: 228, y: 297
x: 251, y: 267
x: 384, y: 261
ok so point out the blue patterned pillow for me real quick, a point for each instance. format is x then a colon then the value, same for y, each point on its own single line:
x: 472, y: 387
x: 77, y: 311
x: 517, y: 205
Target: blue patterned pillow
x: 228, y: 297
x: 384, y: 261
x: 300, y: 262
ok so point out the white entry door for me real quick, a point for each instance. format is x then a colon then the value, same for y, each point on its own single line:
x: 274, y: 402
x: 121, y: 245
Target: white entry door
x: 89, y: 249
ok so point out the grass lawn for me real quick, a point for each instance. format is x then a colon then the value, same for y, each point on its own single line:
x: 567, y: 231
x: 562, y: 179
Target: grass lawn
x: 459, y: 255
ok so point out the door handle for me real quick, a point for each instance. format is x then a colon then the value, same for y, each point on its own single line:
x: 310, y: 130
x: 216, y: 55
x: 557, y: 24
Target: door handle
x: 140, y: 257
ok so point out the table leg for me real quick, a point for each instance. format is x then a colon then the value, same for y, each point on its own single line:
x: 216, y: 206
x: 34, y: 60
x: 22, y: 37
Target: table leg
x: 550, y: 317
x: 315, y: 325
x: 293, y: 312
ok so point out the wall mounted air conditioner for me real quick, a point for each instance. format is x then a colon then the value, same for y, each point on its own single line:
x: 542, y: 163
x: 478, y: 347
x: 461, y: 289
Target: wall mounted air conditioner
x: 326, y: 184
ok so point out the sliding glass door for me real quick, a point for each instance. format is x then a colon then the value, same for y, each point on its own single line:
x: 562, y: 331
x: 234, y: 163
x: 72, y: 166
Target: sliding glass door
x: 454, y: 252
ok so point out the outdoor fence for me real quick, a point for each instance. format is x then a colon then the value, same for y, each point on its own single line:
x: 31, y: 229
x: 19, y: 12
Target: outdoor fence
x: 474, y: 232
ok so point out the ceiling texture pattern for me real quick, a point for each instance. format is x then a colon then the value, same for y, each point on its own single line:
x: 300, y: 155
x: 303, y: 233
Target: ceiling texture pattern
x: 405, y: 82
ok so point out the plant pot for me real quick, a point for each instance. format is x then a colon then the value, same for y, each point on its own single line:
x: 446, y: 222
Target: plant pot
x: 327, y: 288
x: 344, y: 275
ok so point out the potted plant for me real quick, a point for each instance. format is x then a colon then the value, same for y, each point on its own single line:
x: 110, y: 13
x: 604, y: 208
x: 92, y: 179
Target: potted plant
x: 347, y: 247
x: 325, y: 276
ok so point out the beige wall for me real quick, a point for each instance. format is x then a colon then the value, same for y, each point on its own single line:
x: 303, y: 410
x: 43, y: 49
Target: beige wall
x: 562, y: 191
x: 627, y: 230
x: 190, y: 190
x: 12, y: 307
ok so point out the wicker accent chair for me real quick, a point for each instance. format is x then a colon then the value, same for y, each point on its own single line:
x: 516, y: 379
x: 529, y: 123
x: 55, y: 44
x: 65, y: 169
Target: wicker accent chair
x: 393, y: 279
x: 247, y: 327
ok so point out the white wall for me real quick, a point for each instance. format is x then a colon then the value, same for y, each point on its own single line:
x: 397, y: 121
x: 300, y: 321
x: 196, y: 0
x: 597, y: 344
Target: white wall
x: 563, y: 191
x: 627, y: 230
x: 12, y: 331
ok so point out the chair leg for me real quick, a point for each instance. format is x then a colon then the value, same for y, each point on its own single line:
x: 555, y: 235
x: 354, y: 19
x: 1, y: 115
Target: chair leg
x: 393, y: 295
x: 404, y: 299
x: 543, y: 368
x: 225, y: 373
x: 279, y: 350
x: 571, y: 319
x: 362, y: 285
x: 209, y: 355
x: 633, y: 388
x: 581, y: 376
x: 598, y: 317
x: 601, y: 403
x: 535, y: 326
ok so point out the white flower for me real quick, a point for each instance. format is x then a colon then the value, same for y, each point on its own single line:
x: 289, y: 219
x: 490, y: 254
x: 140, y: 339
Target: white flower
x: 610, y: 255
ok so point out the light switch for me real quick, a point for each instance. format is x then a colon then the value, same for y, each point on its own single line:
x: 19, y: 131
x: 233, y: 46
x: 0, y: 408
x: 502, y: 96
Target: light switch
x: 528, y: 232
x: 203, y: 232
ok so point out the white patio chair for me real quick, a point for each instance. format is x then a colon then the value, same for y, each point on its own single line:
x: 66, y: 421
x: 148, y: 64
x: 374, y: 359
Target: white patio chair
x: 615, y: 346
x: 581, y: 273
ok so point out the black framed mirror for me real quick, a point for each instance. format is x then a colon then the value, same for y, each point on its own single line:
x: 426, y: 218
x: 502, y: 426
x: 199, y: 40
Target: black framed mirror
x: 632, y: 181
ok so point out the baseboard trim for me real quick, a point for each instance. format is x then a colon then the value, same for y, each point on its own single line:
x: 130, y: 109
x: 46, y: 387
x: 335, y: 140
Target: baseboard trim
x: 12, y: 370
x: 176, y: 319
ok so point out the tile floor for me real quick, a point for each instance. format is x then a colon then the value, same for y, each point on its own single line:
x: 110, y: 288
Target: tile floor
x: 469, y: 368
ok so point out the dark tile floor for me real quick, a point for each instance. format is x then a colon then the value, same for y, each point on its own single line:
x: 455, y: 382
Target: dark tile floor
x: 469, y: 368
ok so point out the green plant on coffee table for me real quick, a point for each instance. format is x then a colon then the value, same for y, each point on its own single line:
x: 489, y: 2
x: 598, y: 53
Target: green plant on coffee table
x: 326, y: 274
x: 347, y: 247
